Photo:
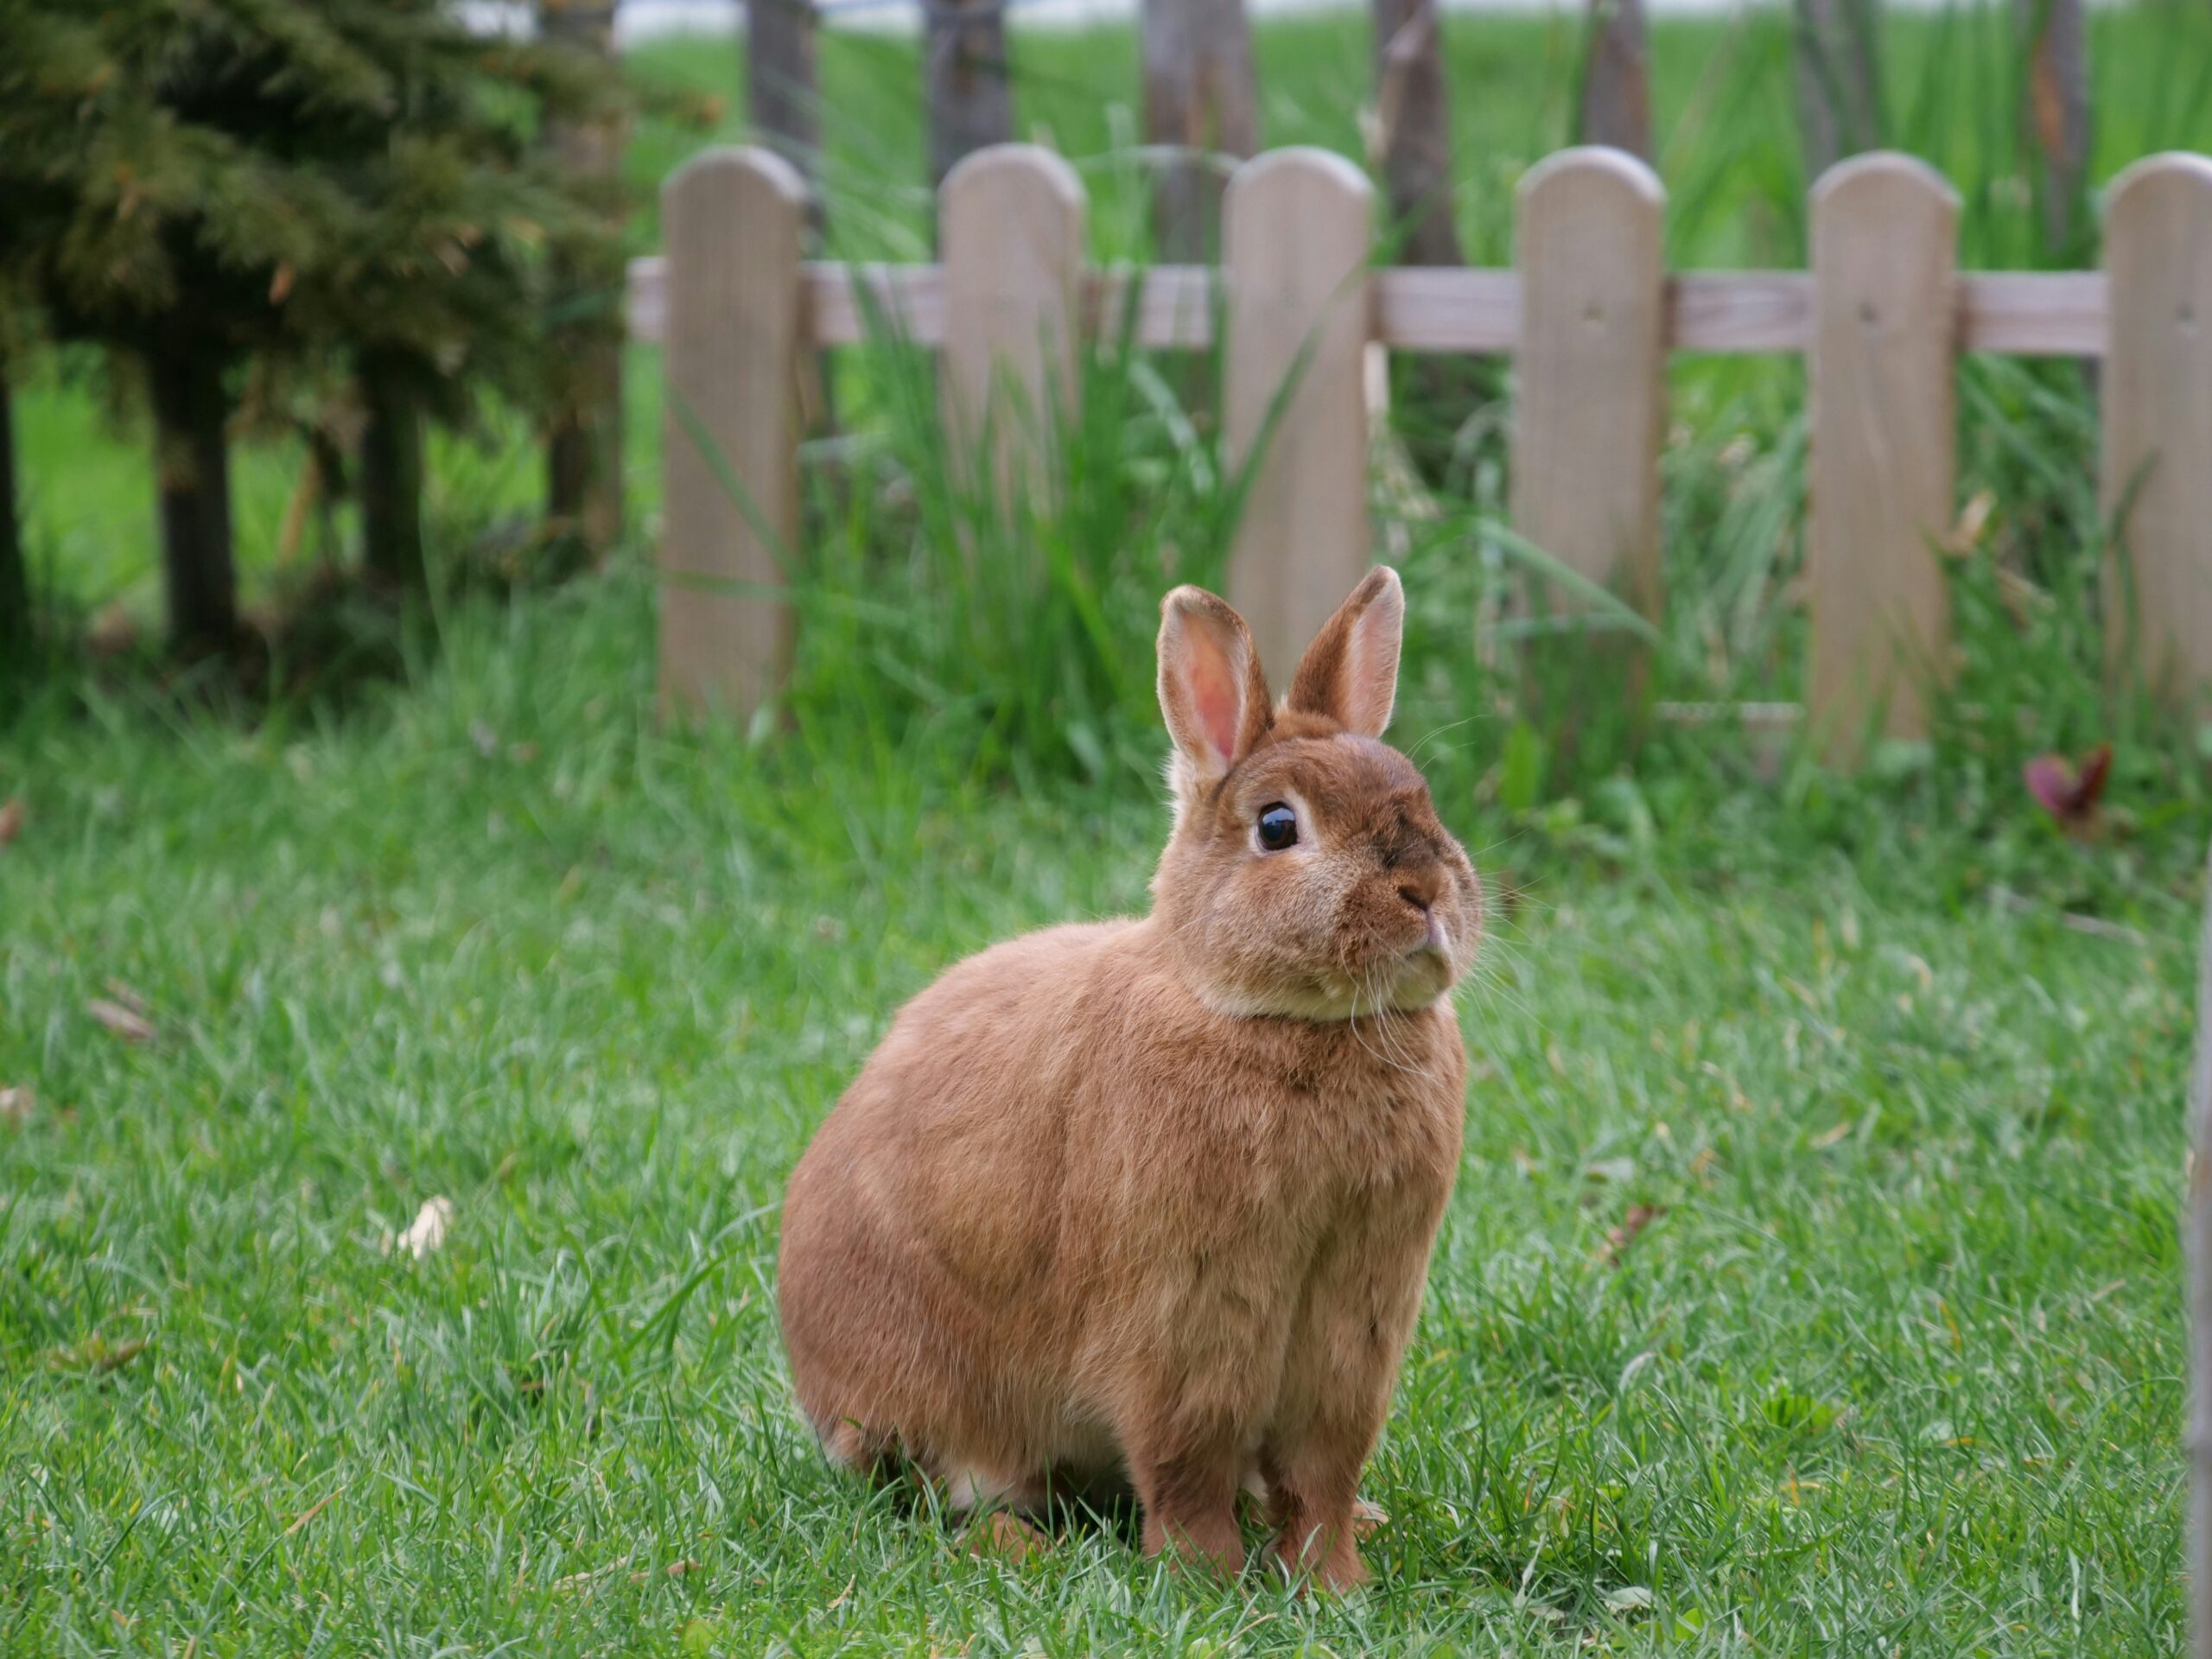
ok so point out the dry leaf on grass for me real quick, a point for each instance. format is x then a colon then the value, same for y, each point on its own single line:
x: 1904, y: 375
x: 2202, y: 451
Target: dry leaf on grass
x: 16, y: 1106
x: 1006, y: 1536
x: 130, y: 996
x: 11, y: 819
x: 1618, y: 1239
x: 427, y: 1232
x: 126, y: 1023
x: 95, y: 1354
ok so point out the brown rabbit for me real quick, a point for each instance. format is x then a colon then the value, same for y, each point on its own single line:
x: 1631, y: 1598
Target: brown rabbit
x: 1151, y: 1201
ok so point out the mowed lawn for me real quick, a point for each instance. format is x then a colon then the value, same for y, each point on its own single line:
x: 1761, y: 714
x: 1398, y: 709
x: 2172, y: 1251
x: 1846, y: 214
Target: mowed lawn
x: 1812, y: 1284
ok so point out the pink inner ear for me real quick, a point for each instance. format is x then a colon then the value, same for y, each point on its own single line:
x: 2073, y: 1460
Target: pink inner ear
x: 1214, y: 699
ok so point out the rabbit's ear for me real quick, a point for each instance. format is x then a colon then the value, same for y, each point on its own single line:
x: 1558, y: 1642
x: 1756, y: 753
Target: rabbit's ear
x: 1350, y: 673
x: 1212, y: 689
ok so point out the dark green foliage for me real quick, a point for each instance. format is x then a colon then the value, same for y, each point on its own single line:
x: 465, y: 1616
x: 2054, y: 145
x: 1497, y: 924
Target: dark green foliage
x: 203, y: 187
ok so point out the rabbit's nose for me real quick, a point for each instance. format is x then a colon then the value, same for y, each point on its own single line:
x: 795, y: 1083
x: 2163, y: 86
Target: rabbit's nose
x: 1420, y: 888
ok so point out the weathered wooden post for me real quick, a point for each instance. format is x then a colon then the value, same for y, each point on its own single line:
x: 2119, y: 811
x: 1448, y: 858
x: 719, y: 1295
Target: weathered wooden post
x: 965, y: 86
x: 1839, y: 79
x: 1413, y: 118
x: 733, y: 353
x: 583, y: 451
x: 1882, y: 366
x: 1296, y: 227
x: 2157, y: 425
x: 1011, y: 218
x: 1616, y: 78
x: 1197, y: 105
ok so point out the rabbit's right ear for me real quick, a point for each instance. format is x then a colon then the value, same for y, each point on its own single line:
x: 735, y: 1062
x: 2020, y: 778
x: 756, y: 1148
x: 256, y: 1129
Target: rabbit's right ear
x: 1212, y: 689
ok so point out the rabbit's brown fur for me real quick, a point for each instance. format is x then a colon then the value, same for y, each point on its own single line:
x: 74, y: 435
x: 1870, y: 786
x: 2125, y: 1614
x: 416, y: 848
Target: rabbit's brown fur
x: 1152, y: 1201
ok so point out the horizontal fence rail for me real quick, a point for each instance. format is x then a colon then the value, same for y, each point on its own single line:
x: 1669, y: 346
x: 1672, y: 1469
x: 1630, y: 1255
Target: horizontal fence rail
x: 1590, y: 317
x: 1464, y: 311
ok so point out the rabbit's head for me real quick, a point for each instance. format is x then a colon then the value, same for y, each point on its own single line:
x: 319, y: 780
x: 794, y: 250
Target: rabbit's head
x: 1308, y: 876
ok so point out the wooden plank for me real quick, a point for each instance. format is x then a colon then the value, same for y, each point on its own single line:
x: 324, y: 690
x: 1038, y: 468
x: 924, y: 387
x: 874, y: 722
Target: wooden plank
x: 1741, y: 311
x: 2019, y: 313
x: 1426, y: 310
x: 1011, y: 221
x: 1296, y: 228
x: 732, y: 219
x: 2158, y: 424
x: 2032, y: 313
x: 1884, y: 333
x: 1592, y: 392
x: 1175, y: 305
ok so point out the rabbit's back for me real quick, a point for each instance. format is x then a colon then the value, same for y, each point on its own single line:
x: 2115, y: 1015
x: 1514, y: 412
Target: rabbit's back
x: 924, y: 1256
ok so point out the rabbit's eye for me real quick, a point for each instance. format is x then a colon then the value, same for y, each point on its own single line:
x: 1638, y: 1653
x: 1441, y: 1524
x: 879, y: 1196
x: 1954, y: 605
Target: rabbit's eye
x: 1278, y: 827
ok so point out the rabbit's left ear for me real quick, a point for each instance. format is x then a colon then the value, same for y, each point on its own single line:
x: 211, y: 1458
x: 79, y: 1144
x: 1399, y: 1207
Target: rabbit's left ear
x: 1350, y: 673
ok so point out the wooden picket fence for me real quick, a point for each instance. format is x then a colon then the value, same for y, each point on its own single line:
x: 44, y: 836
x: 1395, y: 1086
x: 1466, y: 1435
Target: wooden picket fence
x: 1590, y: 314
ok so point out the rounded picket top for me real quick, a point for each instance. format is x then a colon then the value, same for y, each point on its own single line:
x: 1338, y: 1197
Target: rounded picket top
x: 738, y: 173
x: 1592, y: 171
x: 1882, y: 183
x: 2170, y: 180
x: 1292, y: 181
x: 1038, y: 178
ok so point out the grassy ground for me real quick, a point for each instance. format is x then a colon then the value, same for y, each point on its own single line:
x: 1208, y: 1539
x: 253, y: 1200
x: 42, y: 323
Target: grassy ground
x: 1894, y: 1365
x: 1812, y: 1284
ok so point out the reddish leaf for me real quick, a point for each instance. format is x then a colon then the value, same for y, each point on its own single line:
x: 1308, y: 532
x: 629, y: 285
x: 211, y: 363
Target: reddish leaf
x: 11, y: 819
x: 2069, y: 793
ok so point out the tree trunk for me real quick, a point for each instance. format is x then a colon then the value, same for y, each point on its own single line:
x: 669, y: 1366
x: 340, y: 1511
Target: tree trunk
x: 781, y: 93
x: 2056, y: 118
x: 2197, y: 1564
x: 584, y: 450
x: 1198, y: 106
x: 192, y: 464
x: 1839, y: 79
x: 14, y: 584
x: 392, y: 481
x: 1616, y: 81
x: 965, y: 82
x: 1413, y: 132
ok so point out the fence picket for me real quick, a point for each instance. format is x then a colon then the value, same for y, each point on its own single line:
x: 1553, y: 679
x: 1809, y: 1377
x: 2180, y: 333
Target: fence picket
x: 1884, y: 336
x: 733, y: 219
x: 2157, y: 423
x: 1296, y: 227
x: 1012, y: 222
x: 1589, y: 413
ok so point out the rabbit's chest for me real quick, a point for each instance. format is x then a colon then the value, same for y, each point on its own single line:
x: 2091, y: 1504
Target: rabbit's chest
x: 1332, y: 1132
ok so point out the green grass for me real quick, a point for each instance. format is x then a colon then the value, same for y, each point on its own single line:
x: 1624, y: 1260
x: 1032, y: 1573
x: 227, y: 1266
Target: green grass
x: 1889, y: 1067
x: 1897, y: 1368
